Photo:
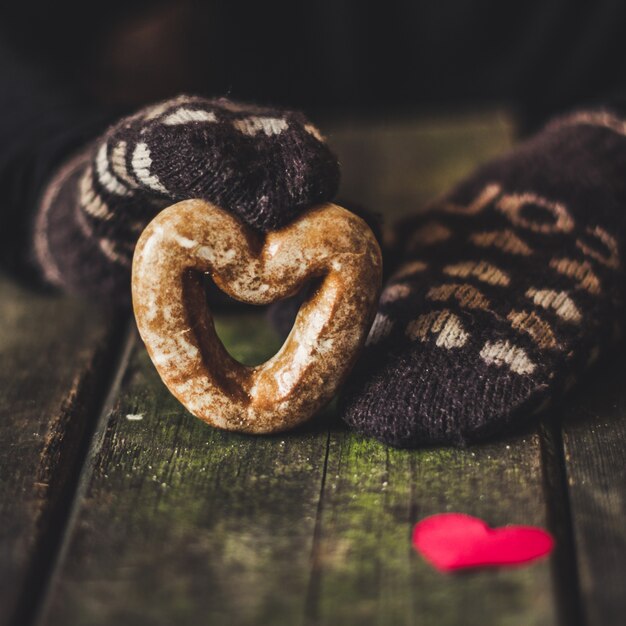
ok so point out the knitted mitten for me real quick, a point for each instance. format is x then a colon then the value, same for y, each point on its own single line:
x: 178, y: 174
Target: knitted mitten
x: 511, y: 285
x: 264, y: 165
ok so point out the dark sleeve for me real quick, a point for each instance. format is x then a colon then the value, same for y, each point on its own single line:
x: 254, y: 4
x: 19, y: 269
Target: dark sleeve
x: 40, y: 126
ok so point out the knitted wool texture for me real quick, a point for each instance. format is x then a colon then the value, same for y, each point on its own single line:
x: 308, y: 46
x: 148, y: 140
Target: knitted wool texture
x: 511, y: 286
x: 264, y: 165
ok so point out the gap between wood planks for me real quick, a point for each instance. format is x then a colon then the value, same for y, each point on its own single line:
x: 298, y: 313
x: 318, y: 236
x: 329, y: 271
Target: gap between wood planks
x: 94, y: 397
x: 313, y: 588
x: 565, y: 571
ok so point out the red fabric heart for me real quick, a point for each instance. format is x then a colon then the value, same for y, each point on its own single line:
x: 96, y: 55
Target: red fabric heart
x: 452, y: 541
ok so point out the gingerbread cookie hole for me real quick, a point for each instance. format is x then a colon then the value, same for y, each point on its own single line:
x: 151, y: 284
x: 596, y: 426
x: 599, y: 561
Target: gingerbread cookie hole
x: 204, y: 312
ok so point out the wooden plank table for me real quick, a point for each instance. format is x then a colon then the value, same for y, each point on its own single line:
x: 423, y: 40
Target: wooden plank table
x: 118, y: 507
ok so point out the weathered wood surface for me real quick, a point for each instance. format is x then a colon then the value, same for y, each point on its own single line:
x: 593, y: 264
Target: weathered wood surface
x: 594, y: 439
x: 51, y: 353
x: 364, y: 567
x: 186, y: 524
x: 179, y: 523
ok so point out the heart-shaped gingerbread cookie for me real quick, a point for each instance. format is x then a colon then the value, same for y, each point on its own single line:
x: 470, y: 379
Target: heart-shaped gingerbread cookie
x: 193, y: 237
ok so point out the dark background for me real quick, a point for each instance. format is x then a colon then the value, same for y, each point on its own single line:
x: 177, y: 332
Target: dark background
x: 328, y: 56
x: 68, y: 68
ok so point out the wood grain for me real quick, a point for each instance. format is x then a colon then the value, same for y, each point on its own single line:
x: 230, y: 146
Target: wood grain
x: 186, y: 524
x: 594, y: 437
x: 51, y: 350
